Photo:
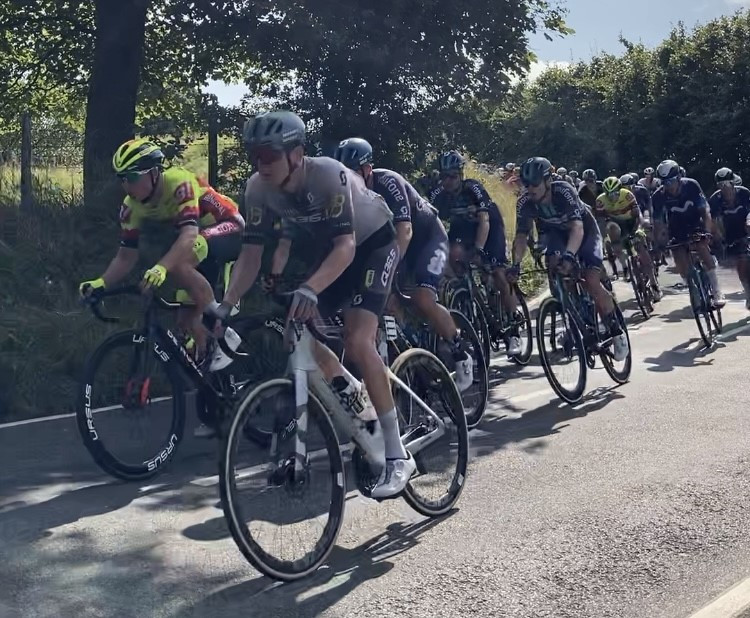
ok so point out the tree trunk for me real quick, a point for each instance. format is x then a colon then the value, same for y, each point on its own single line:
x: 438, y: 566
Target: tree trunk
x: 26, y: 190
x: 113, y: 89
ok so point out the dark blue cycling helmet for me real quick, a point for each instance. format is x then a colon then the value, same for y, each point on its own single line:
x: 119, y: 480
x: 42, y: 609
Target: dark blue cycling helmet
x: 535, y: 170
x: 451, y: 161
x: 354, y: 153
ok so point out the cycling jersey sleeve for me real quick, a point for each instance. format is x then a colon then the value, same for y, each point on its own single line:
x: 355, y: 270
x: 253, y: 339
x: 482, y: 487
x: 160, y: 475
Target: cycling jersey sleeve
x: 524, y: 215
x: 572, y: 207
x: 480, y: 195
x: 395, y: 194
x: 258, y: 219
x: 714, y: 203
x: 186, y: 197
x: 130, y: 224
x: 695, y: 193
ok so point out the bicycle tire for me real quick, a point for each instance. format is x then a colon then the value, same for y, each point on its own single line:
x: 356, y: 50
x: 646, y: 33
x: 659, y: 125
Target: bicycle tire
x: 699, y: 304
x: 554, y: 307
x: 473, y: 415
x: 279, y: 569
x: 87, y: 426
x: 636, y: 282
x: 442, y: 383
x: 619, y: 376
x: 461, y: 301
x: 528, y: 349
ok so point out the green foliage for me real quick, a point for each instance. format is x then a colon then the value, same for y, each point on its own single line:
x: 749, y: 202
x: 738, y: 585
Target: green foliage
x: 684, y: 99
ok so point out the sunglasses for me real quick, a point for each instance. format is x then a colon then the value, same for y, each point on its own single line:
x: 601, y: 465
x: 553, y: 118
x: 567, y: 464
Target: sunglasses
x: 613, y: 194
x: 266, y: 156
x: 723, y: 184
x: 132, y: 177
x: 670, y: 181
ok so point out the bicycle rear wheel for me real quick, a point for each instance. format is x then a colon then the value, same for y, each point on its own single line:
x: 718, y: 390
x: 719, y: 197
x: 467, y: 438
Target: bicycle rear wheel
x: 440, y: 447
x: 475, y: 397
x: 639, y: 290
x: 561, y: 351
x: 619, y: 371
x: 462, y: 301
x: 131, y: 408
x: 522, y: 317
x: 266, y: 501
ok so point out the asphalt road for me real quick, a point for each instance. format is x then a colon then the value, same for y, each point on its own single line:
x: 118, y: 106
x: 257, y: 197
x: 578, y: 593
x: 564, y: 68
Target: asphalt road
x: 633, y: 503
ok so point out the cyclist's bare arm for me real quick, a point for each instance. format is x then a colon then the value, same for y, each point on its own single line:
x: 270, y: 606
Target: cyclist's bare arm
x: 120, y: 266
x: 404, y: 232
x: 483, y: 230
x: 281, y: 256
x: 181, y: 252
x: 244, y: 273
x: 519, y: 247
x: 575, y: 237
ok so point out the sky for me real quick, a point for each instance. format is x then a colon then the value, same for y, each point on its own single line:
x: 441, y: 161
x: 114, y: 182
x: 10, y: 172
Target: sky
x: 598, y: 25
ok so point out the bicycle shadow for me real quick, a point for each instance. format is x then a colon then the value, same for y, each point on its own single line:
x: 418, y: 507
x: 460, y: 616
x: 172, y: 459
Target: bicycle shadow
x: 683, y: 355
x: 345, y: 570
x: 495, y: 432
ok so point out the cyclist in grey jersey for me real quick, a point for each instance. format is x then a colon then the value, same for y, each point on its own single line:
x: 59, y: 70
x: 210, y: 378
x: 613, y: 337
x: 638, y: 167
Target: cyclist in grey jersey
x: 423, y: 243
x: 325, y: 198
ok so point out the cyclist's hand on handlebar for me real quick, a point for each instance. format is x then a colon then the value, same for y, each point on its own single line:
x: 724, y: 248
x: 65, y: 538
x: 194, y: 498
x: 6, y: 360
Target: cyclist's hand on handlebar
x: 154, y: 277
x: 304, y: 304
x: 89, y: 288
x: 513, y: 273
x: 220, y: 311
x: 478, y: 255
x: 268, y: 283
x: 568, y: 263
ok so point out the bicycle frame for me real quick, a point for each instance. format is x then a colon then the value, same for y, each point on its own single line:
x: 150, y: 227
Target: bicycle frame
x: 570, y: 307
x: 306, y: 374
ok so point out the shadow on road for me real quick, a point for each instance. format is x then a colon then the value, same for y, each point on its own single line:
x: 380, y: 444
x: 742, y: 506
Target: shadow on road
x: 345, y: 570
x: 683, y: 356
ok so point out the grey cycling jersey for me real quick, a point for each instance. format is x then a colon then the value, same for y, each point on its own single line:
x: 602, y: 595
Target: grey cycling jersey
x: 330, y: 201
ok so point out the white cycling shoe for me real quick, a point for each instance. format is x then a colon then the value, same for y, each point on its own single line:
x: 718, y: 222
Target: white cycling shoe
x: 720, y: 300
x: 620, y: 347
x: 514, y: 346
x: 464, y: 373
x: 395, y: 477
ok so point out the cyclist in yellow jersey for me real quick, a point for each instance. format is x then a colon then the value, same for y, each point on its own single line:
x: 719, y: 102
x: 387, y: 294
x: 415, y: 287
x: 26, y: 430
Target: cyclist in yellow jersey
x: 208, y: 224
x: 618, y: 208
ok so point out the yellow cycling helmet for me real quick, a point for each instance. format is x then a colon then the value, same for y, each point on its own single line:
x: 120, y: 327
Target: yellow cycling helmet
x: 137, y: 155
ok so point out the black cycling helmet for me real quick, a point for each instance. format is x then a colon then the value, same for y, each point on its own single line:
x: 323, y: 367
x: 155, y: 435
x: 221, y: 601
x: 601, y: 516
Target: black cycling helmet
x: 627, y: 180
x: 535, y: 170
x: 668, y: 169
x: 635, y: 176
x: 649, y: 171
x: 588, y: 174
x: 451, y: 161
x: 280, y: 130
x: 725, y: 174
x: 354, y: 153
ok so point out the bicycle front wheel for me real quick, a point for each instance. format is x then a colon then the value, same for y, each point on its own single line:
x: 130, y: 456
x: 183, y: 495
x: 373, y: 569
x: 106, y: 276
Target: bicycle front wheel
x: 522, y: 318
x: 619, y: 371
x: 639, y: 290
x: 284, y: 505
x: 561, y: 351
x: 131, y: 409
x: 438, y: 441
x: 700, y: 304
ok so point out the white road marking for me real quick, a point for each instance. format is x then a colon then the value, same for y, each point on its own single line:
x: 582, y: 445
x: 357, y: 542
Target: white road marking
x: 41, y: 419
x: 728, y: 333
x: 728, y: 605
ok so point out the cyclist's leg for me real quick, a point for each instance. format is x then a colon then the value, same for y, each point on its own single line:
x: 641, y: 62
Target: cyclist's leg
x: 641, y: 247
x: 703, y: 250
x: 615, y: 235
x: 497, y: 254
x: 591, y: 256
x: 743, y: 270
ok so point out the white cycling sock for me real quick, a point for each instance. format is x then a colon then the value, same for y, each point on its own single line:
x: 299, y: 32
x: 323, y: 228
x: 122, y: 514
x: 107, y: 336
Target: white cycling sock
x: 714, y: 281
x: 394, y: 449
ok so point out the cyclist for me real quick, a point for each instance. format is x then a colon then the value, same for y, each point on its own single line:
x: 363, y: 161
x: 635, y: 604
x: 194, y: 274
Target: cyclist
x: 572, y: 237
x: 476, y: 223
x: 209, y: 228
x: 563, y: 173
x: 649, y: 180
x: 574, y: 177
x: 422, y: 240
x: 589, y: 191
x: 355, y: 227
x: 687, y: 213
x: 619, y: 209
x: 730, y: 212
x: 642, y: 196
x: 590, y: 188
